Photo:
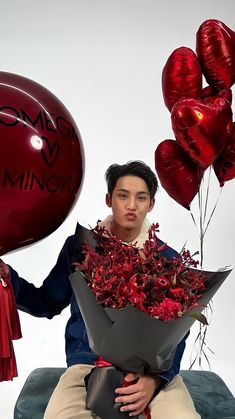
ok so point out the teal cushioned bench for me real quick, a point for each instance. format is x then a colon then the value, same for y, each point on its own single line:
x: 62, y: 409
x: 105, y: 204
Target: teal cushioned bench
x: 211, y: 396
x: 36, y: 392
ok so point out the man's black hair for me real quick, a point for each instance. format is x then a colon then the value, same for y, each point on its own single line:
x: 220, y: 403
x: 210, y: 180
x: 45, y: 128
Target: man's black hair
x: 133, y: 168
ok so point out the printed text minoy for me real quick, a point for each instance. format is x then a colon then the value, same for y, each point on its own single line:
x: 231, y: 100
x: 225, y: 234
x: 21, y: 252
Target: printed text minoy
x: 28, y: 180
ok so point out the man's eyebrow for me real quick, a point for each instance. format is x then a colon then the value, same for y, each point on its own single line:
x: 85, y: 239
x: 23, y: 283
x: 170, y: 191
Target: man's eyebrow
x: 143, y: 192
x: 138, y: 193
x: 122, y: 190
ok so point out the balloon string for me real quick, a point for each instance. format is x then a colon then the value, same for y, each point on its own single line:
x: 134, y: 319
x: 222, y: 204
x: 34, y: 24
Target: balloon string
x: 203, y: 227
x: 207, y: 194
x: 208, y: 222
x: 203, y: 209
x: 194, y: 221
x: 193, y: 218
x: 201, y: 233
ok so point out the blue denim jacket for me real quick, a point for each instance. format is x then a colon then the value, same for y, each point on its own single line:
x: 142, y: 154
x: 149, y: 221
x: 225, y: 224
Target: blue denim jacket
x: 55, y: 294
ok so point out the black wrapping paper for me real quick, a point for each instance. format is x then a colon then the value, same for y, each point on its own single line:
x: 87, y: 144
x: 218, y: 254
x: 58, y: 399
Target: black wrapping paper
x: 128, y: 339
x: 101, y: 394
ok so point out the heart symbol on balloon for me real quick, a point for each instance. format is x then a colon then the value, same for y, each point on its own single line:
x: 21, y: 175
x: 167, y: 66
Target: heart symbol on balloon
x: 202, y: 129
x: 42, y: 162
x: 215, y: 48
x: 50, y: 152
x: 224, y: 165
x: 179, y: 175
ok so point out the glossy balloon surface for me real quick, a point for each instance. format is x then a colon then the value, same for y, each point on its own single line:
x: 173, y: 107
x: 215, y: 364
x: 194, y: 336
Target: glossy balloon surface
x: 179, y: 175
x: 181, y: 77
x: 42, y: 162
x: 215, y: 48
x: 202, y: 129
x: 224, y: 165
x: 209, y: 95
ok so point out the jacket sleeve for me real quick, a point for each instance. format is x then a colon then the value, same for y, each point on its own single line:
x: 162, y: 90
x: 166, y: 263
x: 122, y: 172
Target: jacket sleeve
x: 54, y: 294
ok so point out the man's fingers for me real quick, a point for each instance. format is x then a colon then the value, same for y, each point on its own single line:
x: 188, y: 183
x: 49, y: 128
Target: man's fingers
x: 131, y: 377
x: 135, y: 408
x: 4, y: 269
x: 128, y: 399
x: 127, y: 390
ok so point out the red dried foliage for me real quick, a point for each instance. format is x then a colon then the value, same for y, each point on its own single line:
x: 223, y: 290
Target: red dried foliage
x: 120, y: 273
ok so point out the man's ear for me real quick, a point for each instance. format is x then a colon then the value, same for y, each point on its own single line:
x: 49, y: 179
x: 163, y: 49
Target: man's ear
x: 108, y: 200
x: 152, y: 202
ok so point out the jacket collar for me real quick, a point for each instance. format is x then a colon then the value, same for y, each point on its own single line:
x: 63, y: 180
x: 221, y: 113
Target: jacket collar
x: 139, y: 240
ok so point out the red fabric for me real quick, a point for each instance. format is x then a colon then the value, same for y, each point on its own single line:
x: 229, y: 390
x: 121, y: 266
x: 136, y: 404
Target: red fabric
x: 147, y: 413
x: 9, y: 330
x: 100, y: 362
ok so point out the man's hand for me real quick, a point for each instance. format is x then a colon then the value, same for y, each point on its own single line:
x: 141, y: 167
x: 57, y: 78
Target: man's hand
x: 4, y: 269
x: 136, y: 397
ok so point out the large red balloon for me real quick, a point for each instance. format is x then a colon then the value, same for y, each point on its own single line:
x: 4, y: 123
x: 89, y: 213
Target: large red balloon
x: 224, y: 165
x: 215, y: 48
x: 202, y: 129
x: 42, y: 162
x: 181, y: 76
x: 179, y: 175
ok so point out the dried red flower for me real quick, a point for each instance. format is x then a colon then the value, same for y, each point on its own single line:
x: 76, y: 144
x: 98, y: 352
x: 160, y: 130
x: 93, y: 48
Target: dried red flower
x: 119, y: 273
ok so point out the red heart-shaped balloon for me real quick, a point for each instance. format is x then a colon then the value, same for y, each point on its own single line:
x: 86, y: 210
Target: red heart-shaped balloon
x: 202, y: 129
x: 209, y: 95
x: 179, y: 175
x: 181, y: 76
x: 42, y: 162
x: 215, y: 48
x: 224, y: 165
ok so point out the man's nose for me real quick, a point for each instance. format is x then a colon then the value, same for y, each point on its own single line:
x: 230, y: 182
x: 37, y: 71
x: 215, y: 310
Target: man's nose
x: 131, y: 204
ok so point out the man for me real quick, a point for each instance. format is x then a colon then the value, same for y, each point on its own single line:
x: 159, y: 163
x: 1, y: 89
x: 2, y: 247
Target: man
x: 131, y: 195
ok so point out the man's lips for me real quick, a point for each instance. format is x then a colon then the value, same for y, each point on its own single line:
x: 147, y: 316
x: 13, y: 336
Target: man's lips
x: 131, y: 216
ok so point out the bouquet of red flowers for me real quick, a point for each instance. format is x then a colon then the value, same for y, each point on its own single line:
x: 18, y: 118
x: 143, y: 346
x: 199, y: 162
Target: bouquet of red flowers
x: 137, y: 305
x: 119, y: 274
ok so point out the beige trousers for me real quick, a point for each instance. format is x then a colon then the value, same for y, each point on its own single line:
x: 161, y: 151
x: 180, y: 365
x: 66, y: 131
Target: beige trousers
x: 68, y: 399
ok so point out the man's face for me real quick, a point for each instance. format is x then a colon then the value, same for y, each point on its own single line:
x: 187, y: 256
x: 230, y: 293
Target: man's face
x: 130, y: 203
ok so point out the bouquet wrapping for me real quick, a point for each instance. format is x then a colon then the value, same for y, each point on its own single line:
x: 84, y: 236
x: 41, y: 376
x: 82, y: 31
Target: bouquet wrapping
x: 128, y: 338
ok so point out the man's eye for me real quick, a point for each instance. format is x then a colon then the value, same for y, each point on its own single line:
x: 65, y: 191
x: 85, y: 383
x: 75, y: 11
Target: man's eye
x: 142, y: 198
x: 122, y: 195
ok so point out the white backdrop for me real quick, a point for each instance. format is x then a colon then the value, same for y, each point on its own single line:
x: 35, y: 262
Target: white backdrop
x: 103, y: 59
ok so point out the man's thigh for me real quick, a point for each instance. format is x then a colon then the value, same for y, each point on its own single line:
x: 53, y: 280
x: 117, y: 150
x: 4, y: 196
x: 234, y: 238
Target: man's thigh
x: 174, y: 401
x: 68, y: 400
